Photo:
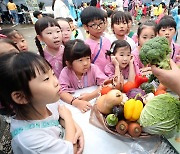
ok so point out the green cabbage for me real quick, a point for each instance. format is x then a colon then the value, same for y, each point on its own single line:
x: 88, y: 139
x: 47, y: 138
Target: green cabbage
x: 161, y: 115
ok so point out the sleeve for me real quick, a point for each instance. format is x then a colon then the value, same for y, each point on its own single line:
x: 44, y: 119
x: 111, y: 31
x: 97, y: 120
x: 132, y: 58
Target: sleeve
x: 109, y: 70
x: 64, y: 82
x: 99, y: 75
x: 40, y: 142
x: 136, y: 62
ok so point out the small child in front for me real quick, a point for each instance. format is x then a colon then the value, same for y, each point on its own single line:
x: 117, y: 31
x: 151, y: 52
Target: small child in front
x: 93, y: 20
x: 121, y: 65
x: 78, y: 73
x: 29, y: 89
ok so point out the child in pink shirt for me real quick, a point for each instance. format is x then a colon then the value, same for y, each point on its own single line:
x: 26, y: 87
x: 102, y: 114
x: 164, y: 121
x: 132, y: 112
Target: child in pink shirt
x: 93, y: 20
x: 167, y: 28
x: 79, y: 73
x: 121, y: 64
x: 145, y: 31
x: 49, y: 32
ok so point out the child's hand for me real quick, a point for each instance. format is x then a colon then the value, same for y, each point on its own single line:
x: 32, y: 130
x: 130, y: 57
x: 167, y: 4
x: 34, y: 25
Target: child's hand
x: 178, y: 58
x: 64, y: 112
x: 82, y: 105
x: 132, y: 59
x: 79, y: 139
x: 114, y: 61
x: 85, y: 97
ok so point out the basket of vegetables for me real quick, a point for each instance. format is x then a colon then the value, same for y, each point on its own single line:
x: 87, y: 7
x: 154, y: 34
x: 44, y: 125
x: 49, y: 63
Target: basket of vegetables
x: 137, y: 113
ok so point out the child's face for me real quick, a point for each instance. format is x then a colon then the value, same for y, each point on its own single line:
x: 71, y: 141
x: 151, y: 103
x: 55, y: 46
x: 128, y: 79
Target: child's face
x: 66, y: 30
x: 73, y: 27
x: 44, y: 88
x: 95, y: 28
x: 146, y: 34
x: 120, y: 29
x: 123, y: 56
x: 82, y: 65
x: 20, y: 42
x: 168, y: 32
x: 52, y: 37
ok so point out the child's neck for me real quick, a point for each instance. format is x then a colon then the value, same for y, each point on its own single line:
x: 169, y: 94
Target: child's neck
x: 120, y: 37
x: 94, y: 38
x: 52, y: 50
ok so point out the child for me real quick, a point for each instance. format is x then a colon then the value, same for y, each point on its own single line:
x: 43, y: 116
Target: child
x: 121, y: 61
x: 130, y: 22
x: 16, y: 37
x: 37, y: 14
x: 65, y: 29
x: 49, y: 32
x: 30, y: 93
x: 79, y: 73
x: 167, y: 28
x: 76, y: 33
x: 93, y: 20
x: 145, y: 31
x: 119, y: 25
x: 7, y: 45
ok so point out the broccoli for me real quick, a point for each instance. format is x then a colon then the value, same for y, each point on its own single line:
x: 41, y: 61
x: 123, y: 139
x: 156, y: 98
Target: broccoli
x: 155, y: 52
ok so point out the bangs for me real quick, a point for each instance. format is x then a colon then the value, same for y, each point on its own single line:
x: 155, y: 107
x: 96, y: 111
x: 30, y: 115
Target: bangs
x: 118, y: 17
x: 80, y: 50
x: 165, y: 23
x: 43, y: 23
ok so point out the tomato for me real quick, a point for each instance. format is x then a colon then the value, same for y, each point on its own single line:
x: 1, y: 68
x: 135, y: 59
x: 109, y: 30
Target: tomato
x: 105, y: 90
x: 159, y: 91
x: 128, y: 86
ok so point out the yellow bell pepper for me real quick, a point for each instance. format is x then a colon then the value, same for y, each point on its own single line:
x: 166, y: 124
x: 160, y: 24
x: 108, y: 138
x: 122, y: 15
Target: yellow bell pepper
x: 132, y: 109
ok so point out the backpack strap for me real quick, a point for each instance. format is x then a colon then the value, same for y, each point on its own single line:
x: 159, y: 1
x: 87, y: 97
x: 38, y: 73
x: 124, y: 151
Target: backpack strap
x: 93, y: 61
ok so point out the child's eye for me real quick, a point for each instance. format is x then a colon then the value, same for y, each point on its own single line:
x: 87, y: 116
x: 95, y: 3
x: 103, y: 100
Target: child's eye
x: 49, y: 33
x: 46, y: 79
x: 23, y: 40
x: 88, y: 58
x: 58, y: 31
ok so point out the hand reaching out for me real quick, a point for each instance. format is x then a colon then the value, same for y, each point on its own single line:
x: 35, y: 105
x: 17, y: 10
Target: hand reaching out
x: 82, y: 105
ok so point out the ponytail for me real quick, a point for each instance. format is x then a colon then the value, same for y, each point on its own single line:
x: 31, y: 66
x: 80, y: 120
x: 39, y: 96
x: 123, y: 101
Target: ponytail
x: 39, y: 46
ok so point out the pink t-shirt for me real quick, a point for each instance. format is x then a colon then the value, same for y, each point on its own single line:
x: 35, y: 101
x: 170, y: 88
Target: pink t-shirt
x: 137, y: 62
x: 175, y: 51
x: 55, y: 61
x: 110, y: 71
x: 101, y: 60
x: 69, y: 81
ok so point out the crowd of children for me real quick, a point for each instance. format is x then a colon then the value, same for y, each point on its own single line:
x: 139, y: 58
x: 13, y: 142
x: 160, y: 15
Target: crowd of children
x: 31, y: 83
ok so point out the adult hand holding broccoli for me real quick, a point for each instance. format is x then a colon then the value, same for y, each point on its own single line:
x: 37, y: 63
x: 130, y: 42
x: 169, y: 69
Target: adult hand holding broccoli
x: 156, y: 52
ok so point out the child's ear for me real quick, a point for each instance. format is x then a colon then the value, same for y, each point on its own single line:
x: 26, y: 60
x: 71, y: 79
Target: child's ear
x: 19, y: 97
x: 39, y: 38
x: 68, y: 64
x: 86, y: 28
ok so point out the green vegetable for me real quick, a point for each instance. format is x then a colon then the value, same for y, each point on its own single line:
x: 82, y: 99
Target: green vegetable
x: 155, y: 52
x: 147, y: 87
x: 161, y: 115
x: 112, y: 120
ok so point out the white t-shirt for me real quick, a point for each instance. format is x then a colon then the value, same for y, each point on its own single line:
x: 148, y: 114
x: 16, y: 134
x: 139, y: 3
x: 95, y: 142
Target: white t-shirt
x: 45, y: 140
x: 113, y: 38
x: 60, y: 9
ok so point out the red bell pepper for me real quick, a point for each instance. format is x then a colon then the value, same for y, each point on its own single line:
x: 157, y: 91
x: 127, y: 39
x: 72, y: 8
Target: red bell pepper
x: 139, y: 79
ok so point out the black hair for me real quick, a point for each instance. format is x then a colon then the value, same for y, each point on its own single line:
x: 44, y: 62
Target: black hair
x: 91, y: 13
x: 53, y: 4
x: 69, y: 19
x: 166, y: 22
x: 179, y: 10
x: 148, y: 23
x: 128, y: 16
x: 8, y: 41
x: 118, y: 17
x: 16, y: 70
x: 41, y: 25
x: 116, y: 45
x: 10, y: 33
x: 75, y: 49
x: 36, y: 14
x: 109, y: 12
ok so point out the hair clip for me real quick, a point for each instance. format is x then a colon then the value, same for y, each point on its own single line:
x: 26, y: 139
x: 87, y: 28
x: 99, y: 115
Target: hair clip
x: 112, y: 48
x: 3, y: 36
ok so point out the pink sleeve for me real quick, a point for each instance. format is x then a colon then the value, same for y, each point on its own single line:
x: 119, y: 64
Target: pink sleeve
x: 109, y: 70
x: 64, y: 81
x: 100, y: 76
x: 136, y: 62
